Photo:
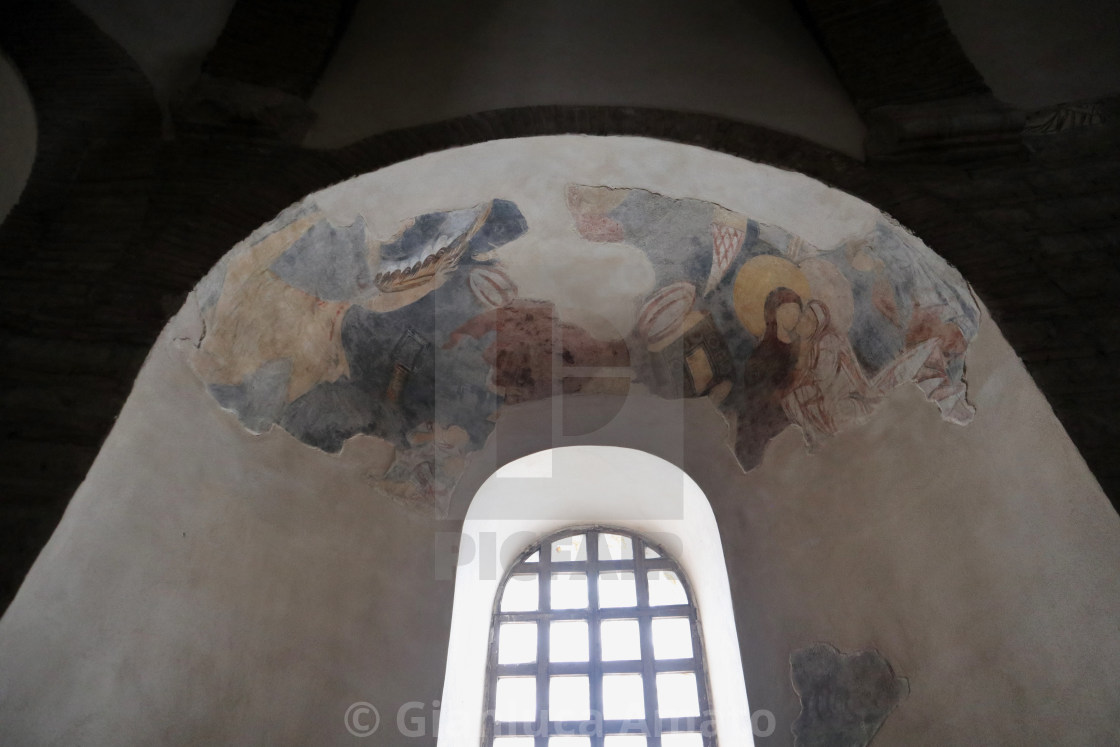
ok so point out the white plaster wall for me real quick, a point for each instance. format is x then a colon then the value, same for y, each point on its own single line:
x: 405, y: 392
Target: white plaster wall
x: 404, y: 63
x: 981, y: 561
x: 209, y: 586
x: 18, y: 135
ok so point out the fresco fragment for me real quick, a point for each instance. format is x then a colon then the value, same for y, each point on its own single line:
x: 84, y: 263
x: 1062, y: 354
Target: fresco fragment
x: 845, y: 698
x: 817, y: 337
x: 328, y: 262
x: 421, y: 339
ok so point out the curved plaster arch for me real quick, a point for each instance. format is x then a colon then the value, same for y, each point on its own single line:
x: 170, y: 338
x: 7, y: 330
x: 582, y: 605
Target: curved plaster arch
x: 587, y: 485
x: 18, y: 132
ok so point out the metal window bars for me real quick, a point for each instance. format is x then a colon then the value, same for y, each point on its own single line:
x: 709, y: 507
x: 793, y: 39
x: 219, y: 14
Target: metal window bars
x: 667, y: 720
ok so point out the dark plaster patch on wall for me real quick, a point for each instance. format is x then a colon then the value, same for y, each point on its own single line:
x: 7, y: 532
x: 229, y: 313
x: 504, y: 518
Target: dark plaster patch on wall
x: 845, y: 698
x: 328, y: 262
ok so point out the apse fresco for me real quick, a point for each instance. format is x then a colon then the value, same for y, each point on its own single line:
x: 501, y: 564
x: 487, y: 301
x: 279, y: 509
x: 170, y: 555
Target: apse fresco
x: 421, y: 337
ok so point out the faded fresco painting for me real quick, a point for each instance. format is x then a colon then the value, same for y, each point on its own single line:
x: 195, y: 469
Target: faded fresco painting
x: 420, y: 338
x: 779, y: 332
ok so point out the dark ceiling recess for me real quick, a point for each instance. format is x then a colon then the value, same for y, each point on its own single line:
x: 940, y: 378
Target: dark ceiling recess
x: 281, y: 44
x: 892, y: 51
x: 116, y: 223
x: 1044, y: 186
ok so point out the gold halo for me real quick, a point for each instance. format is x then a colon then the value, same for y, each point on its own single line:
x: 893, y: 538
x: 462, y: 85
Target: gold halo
x: 753, y: 283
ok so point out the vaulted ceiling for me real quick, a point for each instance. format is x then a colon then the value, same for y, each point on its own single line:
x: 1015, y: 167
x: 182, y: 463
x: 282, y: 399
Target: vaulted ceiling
x: 136, y: 192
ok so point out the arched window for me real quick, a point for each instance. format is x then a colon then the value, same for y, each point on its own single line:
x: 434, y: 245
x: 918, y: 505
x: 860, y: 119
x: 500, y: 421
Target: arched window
x: 539, y: 499
x: 595, y: 642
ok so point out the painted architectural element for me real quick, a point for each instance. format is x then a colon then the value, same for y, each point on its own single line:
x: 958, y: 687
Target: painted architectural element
x: 421, y: 337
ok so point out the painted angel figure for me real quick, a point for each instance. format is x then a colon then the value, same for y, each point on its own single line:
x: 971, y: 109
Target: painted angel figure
x: 830, y: 389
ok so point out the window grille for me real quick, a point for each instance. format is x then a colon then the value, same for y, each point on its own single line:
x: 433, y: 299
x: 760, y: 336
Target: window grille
x: 595, y: 642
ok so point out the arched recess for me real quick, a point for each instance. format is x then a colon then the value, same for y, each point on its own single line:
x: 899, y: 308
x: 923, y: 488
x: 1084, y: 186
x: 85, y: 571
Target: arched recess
x: 540, y: 494
x: 19, y: 134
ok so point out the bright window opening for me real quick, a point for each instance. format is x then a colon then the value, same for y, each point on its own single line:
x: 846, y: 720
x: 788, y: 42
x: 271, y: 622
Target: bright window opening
x: 596, y: 642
